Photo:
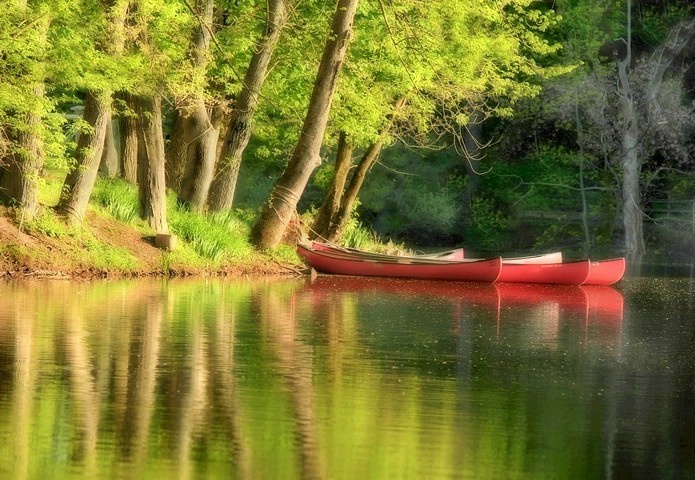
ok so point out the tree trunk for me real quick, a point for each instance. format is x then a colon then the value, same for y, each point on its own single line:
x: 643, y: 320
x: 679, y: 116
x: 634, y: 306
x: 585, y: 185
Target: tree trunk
x: 282, y: 203
x: 109, y: 157
x: 20, y: 177
x: 129, y: 140
x: 152, y: 187
x: 79, y: 183
x: 192, y: 152
x: 239, y: 131
x: 177, y: 150
x: 630, y: 160
x: 330, y: 206
x: 200, y: 158
x: 340, y: 220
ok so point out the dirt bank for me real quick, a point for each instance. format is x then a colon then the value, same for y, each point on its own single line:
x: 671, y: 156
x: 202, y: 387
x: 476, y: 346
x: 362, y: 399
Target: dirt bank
x: 24, y: 254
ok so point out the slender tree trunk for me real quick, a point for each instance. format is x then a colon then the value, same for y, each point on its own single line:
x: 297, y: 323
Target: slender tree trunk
x: 152, y: 185
x: 20, y: 177
x: 582, y: 187
x: 239, y: 131
x: 340, y: 220
x: 330, y: 206
x: 268, y: 231
x: 177, y: 151
x: 630, y: 159
x: 79, y: 183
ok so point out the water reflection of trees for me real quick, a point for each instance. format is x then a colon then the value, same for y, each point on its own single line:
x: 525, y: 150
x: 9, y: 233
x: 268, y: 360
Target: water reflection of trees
x: 126, y: 379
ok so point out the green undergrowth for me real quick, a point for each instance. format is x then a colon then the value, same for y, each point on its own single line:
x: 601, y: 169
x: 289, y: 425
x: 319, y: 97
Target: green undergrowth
x: 204, y: 240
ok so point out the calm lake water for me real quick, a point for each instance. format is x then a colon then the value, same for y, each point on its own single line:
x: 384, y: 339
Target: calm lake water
x: 347, y: 378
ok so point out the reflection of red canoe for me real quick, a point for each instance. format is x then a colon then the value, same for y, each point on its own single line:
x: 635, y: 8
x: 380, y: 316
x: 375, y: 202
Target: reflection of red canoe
x: 327, y: 259
x: 401, y: 267
x: 599, y: 303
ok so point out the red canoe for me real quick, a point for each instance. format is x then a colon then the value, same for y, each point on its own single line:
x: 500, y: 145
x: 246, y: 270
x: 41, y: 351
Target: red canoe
x: 455, y: 254
x: 402, y: 267
x: 568, y: 273
x: 544, y: 269
x: 581, y: 272
x: 606, y: 272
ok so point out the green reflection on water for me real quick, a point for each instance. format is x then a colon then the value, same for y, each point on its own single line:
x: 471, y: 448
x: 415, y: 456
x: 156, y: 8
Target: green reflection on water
x: 338, y: 379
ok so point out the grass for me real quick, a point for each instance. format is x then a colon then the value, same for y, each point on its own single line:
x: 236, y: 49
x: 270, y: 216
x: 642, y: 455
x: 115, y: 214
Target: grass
x: 211, y: 240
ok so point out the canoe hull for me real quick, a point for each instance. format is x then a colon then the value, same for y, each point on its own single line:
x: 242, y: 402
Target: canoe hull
x: 569, y: 273
x: 462, y: 271
x: 606, y: 272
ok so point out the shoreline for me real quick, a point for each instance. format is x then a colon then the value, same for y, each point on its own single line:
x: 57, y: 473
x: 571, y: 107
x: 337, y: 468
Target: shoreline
x: 102, y: 243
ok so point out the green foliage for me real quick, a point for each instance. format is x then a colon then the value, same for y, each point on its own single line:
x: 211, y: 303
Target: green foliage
x: 487, y: 229
x: 47, y: 223
x: 106, y: 257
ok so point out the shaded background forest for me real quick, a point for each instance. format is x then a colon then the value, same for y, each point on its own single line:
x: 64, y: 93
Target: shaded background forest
x: 500, y: 126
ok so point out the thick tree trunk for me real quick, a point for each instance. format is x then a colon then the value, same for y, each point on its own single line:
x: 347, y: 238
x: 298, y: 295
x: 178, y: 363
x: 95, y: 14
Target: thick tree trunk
x: 177, y: 150
x: 152, y: 186
x: 200, y: 158
x: 192, y: 152
x: 330, y: 206
x: 239, y: 131
x: 282, y: 204
x: 129, y: 140
x: 79, y: 183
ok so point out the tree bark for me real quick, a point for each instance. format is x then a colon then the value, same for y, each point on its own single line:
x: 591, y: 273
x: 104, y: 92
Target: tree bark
x: 281, y: 205
x: 343, y: 216
x: 79, y: 183
x: 330, y: 206
x: 129, y: 140
x: 152, y: 187
x: 239, y: 131
x: 177, y: 150
x: 109, y: 158
x: 200, y: 158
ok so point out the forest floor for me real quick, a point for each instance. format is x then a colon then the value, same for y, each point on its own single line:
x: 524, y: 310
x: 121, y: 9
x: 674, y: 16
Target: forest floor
x: 72, y: 256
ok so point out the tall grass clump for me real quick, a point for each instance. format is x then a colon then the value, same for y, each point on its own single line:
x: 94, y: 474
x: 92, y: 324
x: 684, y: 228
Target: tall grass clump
x: 117, y: 197
x: 356, y: 235
x: 216, y: 237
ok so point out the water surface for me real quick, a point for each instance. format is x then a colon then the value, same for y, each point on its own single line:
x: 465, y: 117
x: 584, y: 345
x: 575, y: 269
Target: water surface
x: 346, y: 378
